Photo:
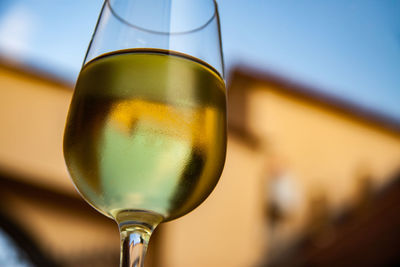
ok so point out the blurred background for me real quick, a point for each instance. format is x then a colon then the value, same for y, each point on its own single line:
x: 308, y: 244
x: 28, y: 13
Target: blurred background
x: 312, y: 175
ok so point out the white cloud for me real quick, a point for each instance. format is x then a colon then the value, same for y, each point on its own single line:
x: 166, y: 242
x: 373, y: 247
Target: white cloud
x: 17, y: 30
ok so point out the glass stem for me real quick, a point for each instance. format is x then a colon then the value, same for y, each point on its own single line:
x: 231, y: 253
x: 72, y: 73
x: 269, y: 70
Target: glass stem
x: 136, y: 228
x: 134, y: 241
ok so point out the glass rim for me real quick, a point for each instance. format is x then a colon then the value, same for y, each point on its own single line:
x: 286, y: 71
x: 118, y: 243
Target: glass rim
x: 120, y: 18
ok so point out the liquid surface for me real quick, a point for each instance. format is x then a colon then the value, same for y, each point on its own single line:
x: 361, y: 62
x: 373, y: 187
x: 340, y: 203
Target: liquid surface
x: 146, y: 131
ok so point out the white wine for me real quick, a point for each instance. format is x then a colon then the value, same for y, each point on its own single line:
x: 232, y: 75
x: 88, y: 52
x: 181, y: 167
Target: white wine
x: 146, y: 131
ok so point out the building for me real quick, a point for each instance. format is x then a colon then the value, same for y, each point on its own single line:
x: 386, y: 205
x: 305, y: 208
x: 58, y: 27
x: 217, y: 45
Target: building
x: 296, y: 160
x: 334, y: 154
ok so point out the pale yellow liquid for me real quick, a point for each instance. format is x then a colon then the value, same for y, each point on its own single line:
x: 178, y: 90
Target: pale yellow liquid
x: 146, y: 131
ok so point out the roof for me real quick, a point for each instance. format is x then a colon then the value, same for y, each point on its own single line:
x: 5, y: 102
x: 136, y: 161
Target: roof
x: 248, y: 75
x: 34, y: 73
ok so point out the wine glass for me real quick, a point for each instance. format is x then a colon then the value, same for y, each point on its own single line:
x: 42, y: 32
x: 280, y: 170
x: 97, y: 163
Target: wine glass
x: 145, y: 138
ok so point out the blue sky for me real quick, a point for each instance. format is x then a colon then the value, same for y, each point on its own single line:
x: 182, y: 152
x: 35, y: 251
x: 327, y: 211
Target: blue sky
x: 348, y: 48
